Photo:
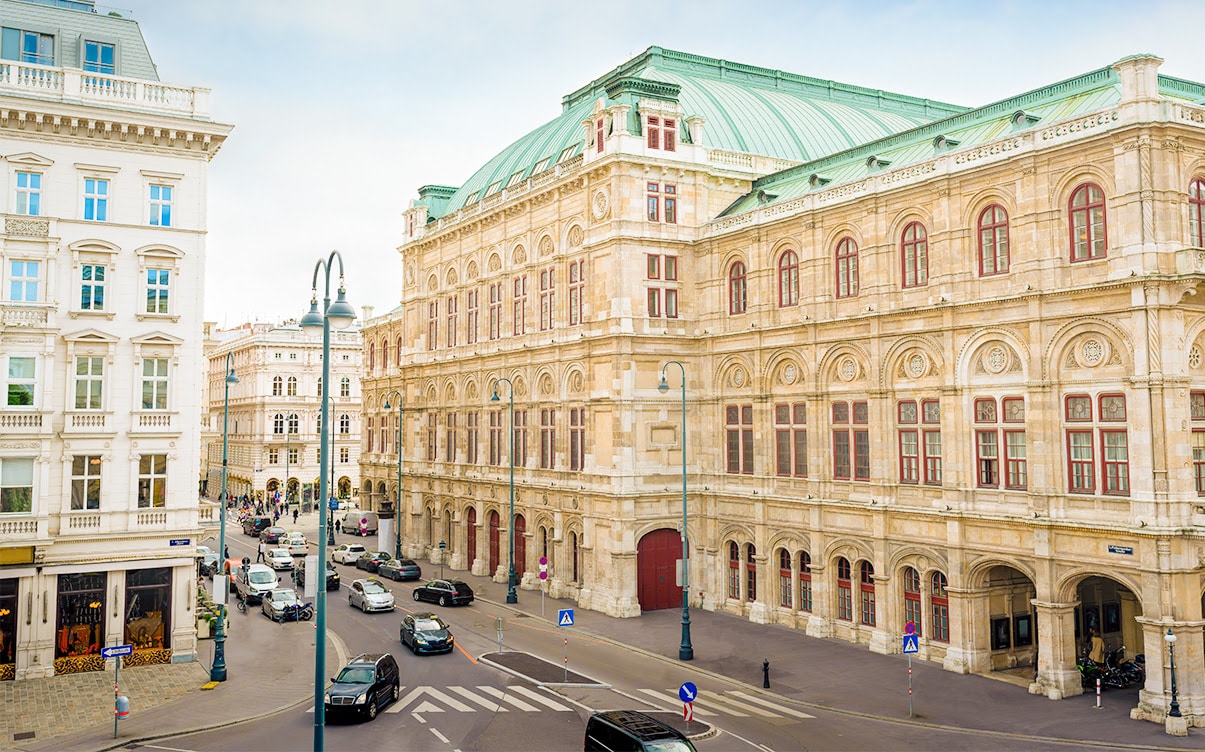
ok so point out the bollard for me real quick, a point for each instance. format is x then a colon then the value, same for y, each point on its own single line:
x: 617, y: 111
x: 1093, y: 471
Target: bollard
x: 1098, y: 693
x: 765, y: 673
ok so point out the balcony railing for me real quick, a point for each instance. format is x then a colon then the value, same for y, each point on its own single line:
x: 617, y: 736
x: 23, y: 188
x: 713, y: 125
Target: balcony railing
x: 15, y: 529
x: 34, y: 315
x: 24, y: 424
x: 90, y: 423
x: 74, y: 85
x: 153, y: 423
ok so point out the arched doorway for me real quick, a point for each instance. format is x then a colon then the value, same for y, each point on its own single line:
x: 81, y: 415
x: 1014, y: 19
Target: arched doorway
x: 272, y: 486
x: 657, y: 555
x: 293, y: 487
x: 471, y: 534
x: 493, y: 519
x: 1111, y: 609
x: 520, y: 546
x: 344, y: 487
x: 1012, y: 634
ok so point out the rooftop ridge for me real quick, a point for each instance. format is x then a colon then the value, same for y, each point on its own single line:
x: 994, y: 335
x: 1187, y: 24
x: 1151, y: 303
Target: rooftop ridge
x: 718, y: 69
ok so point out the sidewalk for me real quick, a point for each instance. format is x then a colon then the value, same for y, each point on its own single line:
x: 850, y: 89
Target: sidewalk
x: 823, y: 673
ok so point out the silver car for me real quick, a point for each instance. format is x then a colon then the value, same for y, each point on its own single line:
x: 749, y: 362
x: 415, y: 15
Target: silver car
x: 281, y: 604
x: 370, y: 595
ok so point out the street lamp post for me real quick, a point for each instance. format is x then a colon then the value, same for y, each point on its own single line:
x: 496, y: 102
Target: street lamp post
x: 339, y: 314
x: 1173, y: 710
x: 330, y: 529
x: 397, y: 508
x: 686, y: 651
x: 218, y: 672
x: 511, y: 596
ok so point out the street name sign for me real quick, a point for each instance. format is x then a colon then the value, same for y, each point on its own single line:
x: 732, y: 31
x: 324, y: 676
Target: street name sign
x: 116, y: 650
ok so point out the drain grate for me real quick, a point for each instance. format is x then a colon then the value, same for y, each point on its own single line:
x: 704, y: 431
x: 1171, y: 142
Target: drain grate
x: 22, y: 736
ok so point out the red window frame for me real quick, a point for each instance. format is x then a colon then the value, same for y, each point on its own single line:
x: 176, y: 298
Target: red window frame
x: 1196, y: 212
x: 866, y: 589
x: 851, y: 445
x: 432, y: 441
x: 369, y: 433
x: 519, y: 305
x: 994, y: 254
x: 671, y: 303
x: 912, y: 600
x: 1196, y: 413
x: 654, y: 302
x: 577, y: 438
x: 471, y: 437
x: 1081, y: 469
x: 784, y: 578
x: 372, y: 363
x: 670, y: 268
x: 471, y: 317
x: 791, y: 440
x: 598, y: 135
x: 495, y: 312
x: 450, y: 438
x: 653, y: 265
x: 737, y: 300
x: 805, y: 581
x: 653, y: 202
x: 847, y: 268
x: 547, y: 439
x: 914, y: 255
x: 908, y: 441
x: 669, y: 135
x: 738, y: 422
x: 432, y: 324
x: 384, y: 364
x: 495, y: 437
x: 520, y: 438
x: 1115, y: 461
x: 788, y: 279
x: 453, y: 310
x: 1088, y: 223
x: 577, y: 286
x: 734, y: 571
x: 845, y: 602
x: 653, y: 131
x: 750, y: 572
x: 669, y: 200
x: 931, y: 441
x: 547, y: 298
x: 939, y: 604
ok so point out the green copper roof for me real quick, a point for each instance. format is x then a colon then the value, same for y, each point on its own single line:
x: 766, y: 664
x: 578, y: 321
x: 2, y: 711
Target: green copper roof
x: 747, y: 109
x: 1041, y: 108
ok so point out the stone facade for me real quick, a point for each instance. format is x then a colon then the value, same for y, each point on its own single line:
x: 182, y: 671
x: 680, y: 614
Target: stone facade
x: 952, y: 377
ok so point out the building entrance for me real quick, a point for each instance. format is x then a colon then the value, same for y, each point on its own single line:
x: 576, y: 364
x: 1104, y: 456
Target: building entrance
x: 656, y: 581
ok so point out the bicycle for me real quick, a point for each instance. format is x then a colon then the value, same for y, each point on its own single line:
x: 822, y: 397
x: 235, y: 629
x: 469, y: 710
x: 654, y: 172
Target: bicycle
x: 241, y: 604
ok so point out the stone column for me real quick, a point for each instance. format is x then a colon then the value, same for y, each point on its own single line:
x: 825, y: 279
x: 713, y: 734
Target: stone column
x: 759, y: 613
x: 888, y: 609
x: 970, y: 619
x: 1155, y: 698
x: 1057, y: 675
x: 820, y: 624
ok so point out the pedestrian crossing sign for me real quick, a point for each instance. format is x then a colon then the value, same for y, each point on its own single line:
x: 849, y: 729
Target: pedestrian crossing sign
x: 565, y: 618
x: 911, y: 644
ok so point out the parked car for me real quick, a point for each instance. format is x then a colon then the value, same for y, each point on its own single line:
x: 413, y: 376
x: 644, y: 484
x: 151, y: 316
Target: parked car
x: 400, y: 569
x: 632, y: 730
x: 253, y: 526
x: 370, y: 595
x: 371, y: 560
x: 282, y: 604
x: 280, y: 558
x: 296, y: 543
x: 445, y: 592
x: 426, y: 633
x: 254, y: 582
x: 366, y: 683
x: 332, y: 577
x: 273, y: 535
x: 348, y: 553
x: 207, y: 561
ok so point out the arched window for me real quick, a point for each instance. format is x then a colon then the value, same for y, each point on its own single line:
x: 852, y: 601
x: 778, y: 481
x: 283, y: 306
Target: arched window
x: 912, y: 607
x: 1088, y: 239
x: 845, y: 598
x: 368, y: 433
x: 737, y: 292
x: 914, y: 254
x: 847, y: 268
x: 398, y: 356
x: 866, y: 586
x: 293, y: 423
x: 993, y: 241
x: 372, y: 356
x: 278, y: 423
x: 784, y: 578
x: 277, y: 386
x: 805, y: 581
x: 573, y: 551
x: 940, y: 602
x: 788, y: 279
x: 292, y: 391
x: 750, y: 573
x: 1196, y: 212
x: 384, y: 355
x: 734, y: 570
x: 345, y: 387
x: 344, y: 424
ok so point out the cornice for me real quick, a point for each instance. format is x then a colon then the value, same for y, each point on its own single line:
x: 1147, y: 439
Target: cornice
x: 119, y: 130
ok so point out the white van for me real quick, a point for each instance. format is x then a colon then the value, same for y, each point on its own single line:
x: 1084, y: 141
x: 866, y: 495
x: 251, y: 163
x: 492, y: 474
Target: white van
x: 359, y: 522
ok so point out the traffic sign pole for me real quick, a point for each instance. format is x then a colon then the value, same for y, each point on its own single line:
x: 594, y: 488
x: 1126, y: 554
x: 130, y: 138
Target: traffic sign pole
x: 911, y: 645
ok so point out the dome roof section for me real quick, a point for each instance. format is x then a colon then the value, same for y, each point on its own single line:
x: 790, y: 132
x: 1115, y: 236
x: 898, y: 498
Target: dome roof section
x: 747, y: 109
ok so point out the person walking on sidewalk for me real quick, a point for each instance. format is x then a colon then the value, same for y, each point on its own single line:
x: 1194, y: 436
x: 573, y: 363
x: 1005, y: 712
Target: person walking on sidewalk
x: 295, y: 513
x: 336, y: 525
x: 263, y: 549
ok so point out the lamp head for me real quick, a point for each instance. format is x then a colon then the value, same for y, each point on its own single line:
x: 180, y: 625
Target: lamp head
x: 1170, y: 637
x: 313, y: 319
x: 387, y: 407
x: 340, y: 313
x: 231, y: 378
x: 495, y: 397
x: 663, y: 387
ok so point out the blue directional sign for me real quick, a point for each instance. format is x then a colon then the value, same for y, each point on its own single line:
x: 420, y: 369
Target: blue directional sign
x: 688, y: 692
x: 564, y: 617
x: 911, y: 643
x: 179, y: 541
x: 116, y: 650
x: 334, y: 505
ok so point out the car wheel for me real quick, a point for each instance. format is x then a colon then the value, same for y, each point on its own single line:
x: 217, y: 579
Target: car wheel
x: 372, y: 709
x: 416, y: 595
x: 443, y: 601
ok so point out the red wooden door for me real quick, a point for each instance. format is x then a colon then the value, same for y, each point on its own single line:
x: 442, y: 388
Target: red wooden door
x: 656, y: 579
x: 471, y: 535
x: 520, y: 547
x: 493, y: 543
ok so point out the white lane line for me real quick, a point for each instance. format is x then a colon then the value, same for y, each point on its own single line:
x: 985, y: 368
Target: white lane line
x: 507, y: 698
x: 449, y: 700
x: 477, y: 698
x: 661, y: 697
x: 440, y: 736
x: 401, y: 704
x: 537, y: 697
x: 768, y: 704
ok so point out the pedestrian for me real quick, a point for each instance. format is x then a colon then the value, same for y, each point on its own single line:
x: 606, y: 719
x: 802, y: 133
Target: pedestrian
x: 336, y: 526
x: 263, y: 550
x: 226, y: 552
x: 295, y: 513
x: 1096, y: 646
x: 276, y: 515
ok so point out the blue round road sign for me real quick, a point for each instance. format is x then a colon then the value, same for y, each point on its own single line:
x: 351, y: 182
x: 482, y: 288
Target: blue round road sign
x: 910, y: 628
x: 688, y: 692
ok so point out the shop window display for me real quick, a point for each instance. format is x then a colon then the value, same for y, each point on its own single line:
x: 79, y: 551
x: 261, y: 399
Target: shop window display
x: 81, y: 623
x: 8, y: 629
x: 147, y: 615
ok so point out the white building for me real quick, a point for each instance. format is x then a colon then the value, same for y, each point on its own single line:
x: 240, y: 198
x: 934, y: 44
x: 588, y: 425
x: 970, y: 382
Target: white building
x: 102, y: 255
x: 275, y: 412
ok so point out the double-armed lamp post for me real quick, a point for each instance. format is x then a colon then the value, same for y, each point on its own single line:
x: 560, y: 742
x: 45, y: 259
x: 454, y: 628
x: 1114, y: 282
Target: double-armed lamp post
x: 511, y: 596
x: 218, y: 672
x: 686, y: 651
x: 397, y: 505
x: 340, y: 315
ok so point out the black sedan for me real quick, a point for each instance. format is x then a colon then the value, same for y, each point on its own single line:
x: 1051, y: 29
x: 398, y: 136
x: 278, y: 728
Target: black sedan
x: 371, y: 560
x: 400, y: 569
x: 445, y: 592
x: 272, y: 535
x: 426, y: 633
x: 332, y: 577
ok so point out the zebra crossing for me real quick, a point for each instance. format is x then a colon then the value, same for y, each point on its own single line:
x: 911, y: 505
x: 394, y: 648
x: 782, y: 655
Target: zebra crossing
x: 733, y: 702
x: 472, y: 699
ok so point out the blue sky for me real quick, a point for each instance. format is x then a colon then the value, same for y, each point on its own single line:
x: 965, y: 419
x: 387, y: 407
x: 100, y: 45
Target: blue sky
x: 343, y: 109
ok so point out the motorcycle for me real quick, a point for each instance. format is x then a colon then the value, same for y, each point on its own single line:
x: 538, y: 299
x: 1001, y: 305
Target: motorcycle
x: 299, y: 612
x: 1129, y: 672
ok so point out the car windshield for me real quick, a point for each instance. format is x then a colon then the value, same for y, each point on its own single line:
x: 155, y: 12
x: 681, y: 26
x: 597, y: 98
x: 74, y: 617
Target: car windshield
x: 355, y: 675
x: 373, y: 588
x: 279, y: 552
x: 428, y: 625
x: 284, y: 596
x: 356, y: 549
x: 261, y: 578
x: 668, y: 745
